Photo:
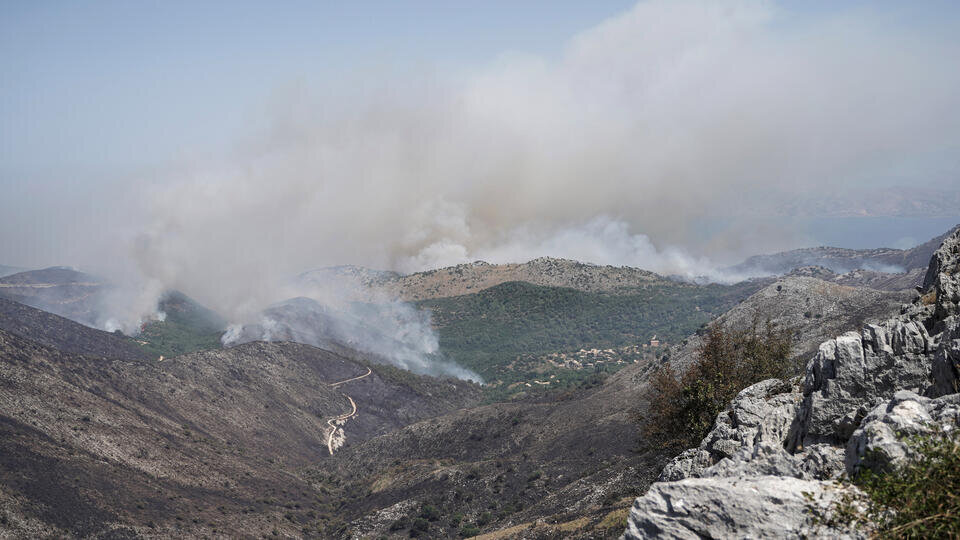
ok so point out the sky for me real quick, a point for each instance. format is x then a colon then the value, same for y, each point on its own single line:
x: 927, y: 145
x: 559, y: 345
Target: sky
x: 198, y: 144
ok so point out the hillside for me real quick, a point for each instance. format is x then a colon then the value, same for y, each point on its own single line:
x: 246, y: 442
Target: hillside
x: 870, y: 279
x: 487, y: 331
x: 186, y: 327
x: 80, y: 297
x: 771, y: 463
x: 497, y: 466
x: 420, y: 457
x: 813, y: 310
x: 203, y: 444
x: 63, y: 334
x: 841, y: 261
x: 477, y: 276
x: 536, y: 469
x: 60, y: 290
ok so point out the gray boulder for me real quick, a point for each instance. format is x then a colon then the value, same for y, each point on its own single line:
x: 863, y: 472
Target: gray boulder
x: 739, y: 507
x: 855, y: 372
x: 760, y: 414
x: 879, y: 443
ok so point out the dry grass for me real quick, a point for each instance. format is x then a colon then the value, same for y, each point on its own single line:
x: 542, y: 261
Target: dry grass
x: 615, y: 520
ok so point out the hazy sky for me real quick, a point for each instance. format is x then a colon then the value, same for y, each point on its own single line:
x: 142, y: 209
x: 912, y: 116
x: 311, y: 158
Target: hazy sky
x: 173, y: 137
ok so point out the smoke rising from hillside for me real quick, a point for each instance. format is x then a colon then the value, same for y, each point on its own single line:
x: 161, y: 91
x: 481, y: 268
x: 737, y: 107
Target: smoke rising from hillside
x: 609, y: 153
x: 671, y: 111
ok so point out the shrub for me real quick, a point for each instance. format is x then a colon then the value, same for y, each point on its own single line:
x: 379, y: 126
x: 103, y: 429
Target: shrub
x: 420, y: 528
x: 429, y: 513
x: 682, y: 409
x: 920, y: 499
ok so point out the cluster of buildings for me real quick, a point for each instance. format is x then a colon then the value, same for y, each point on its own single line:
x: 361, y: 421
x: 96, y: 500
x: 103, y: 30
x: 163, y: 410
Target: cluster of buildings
x: 591, y: 358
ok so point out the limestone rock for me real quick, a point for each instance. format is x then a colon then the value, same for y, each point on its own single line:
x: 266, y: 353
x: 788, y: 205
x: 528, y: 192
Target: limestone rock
x: 879, y: 443
x: 946, y: 361
x: 854, y: 372
x: 760, y: 414
x: 744, y: 507
x: 690, y: 464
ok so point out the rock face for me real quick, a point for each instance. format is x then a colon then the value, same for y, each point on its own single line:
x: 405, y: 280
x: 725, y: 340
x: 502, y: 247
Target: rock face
x: 765, y: 468
x: 752, y: 507
x: 877, y: 444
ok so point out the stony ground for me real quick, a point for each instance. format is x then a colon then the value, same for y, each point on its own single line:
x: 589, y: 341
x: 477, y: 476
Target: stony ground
x: 203, y: 444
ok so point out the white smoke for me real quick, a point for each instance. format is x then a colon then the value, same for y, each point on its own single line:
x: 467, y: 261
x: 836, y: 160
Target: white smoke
x: 601, y: 240
x: 670, y: 112
x: 334, y: 316
x: 127, y: 305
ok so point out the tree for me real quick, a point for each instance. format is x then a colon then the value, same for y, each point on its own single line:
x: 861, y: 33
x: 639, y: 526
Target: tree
x: 681, y: 410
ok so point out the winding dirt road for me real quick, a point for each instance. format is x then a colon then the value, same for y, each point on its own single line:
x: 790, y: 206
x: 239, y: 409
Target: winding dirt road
x: 334, y: 422
x: 336, y: 384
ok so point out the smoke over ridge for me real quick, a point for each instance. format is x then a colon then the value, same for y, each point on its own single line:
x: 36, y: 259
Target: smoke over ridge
x: 609, y: 153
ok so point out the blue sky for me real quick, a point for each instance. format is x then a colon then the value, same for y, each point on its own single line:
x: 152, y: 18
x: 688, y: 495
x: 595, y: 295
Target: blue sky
x: 106, y: 88
x: 109, y: 86
x: 100, y: 101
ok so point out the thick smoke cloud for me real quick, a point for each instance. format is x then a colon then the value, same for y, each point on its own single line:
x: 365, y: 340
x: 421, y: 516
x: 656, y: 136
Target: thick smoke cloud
x: 666, y: 114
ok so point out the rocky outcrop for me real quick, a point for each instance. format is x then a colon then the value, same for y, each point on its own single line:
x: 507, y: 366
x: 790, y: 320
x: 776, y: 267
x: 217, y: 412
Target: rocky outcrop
x: 878, y: 444
x: 764, y: 470
x: 855, y: 372
x: 747, y: 507
x: 946, y: 363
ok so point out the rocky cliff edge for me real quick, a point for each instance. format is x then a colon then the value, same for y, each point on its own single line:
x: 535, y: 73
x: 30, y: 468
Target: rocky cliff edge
x: 768, y: 467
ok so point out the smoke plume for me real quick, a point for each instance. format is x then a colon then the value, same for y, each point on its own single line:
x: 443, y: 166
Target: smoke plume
x: 611, y: 152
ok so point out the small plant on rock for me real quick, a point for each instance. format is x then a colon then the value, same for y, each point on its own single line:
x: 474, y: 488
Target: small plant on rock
x: 920, y: 499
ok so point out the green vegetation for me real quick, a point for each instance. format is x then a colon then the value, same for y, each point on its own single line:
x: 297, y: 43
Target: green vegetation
x: 682, y: 410
x: 487, y: 331
x: 918, y: 500
x: 188, y: 327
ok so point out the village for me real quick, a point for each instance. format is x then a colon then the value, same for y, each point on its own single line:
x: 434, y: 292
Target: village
x: 595, y: 360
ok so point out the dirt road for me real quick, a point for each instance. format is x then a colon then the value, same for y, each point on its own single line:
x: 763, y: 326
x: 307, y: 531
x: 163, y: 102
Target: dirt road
x: 337, y: 421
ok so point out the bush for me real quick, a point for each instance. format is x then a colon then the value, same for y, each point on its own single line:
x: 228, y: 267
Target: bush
x: 920, y: 499
x: 682, y: 410
x: 429, y: 513
x: 420, y: 528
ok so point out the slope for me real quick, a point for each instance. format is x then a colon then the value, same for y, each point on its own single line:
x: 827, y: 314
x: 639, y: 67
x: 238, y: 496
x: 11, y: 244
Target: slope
x: 842, y: 260
x: 477, y: 276
x: 64, y: 334
x: 811, y: 308
x: 569, y: 460
x: 58, y: 289
x: 203, y: 444
x: 488, y: 330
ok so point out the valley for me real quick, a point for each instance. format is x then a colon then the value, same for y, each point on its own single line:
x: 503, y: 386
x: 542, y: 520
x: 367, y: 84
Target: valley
x: 631, y: 269
x: 284, y: 438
